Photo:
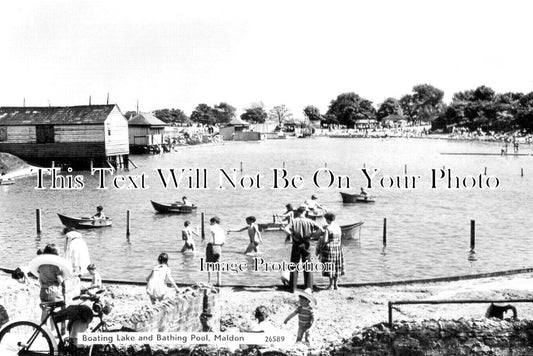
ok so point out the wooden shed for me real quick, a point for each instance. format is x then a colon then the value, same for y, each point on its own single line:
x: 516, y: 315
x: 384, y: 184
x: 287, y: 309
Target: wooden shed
x: 73, y: 135
x: 145, y: 132
x: 232, y: 128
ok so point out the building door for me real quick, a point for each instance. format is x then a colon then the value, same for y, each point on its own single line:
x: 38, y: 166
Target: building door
x: 45, y: 133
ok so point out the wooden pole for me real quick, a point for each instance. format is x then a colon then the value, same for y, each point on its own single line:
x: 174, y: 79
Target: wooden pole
x: 472, y: 234
x: 127, y: 223
x: 405, y: 169
x: 241, y: 166
x: 203, y: 226
x: 384, y: 232
x: 485, y: 170
x: 38, y: 220
x: 283, y: 164
x: 521, y: 172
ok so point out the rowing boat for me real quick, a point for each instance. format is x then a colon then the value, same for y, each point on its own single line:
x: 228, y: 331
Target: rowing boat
x: 84, y: 222
x: 349, y: 231
x: 173, y: 208
x: 8, y: 181
x: 356, y: 198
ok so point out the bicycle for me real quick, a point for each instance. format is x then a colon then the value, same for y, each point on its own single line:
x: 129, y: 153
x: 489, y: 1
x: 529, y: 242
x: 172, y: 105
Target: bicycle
x: 24, y: 338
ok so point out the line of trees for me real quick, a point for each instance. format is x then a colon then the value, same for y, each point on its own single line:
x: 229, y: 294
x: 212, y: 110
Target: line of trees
x: 480, y: 108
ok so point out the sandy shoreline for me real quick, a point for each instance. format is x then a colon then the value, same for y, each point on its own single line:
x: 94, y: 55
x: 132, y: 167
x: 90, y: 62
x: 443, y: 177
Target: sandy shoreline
x: 339, y: 314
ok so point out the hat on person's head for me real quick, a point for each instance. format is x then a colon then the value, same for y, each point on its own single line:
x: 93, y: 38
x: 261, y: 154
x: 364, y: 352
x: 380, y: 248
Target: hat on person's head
x: 302, y: 208
x: 314, y: 197
x: 99, y: 207
x: 307, y: 294
x: 91, y: 267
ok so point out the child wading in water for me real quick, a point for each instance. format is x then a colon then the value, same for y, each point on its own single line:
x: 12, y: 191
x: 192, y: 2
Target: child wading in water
x: 186, y: 235
x: 157, y: 286
x: 305, y: 314
x: 253, y: 234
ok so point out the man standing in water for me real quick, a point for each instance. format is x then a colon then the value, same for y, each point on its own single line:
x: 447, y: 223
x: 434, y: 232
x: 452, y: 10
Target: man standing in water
x: 301, y: 229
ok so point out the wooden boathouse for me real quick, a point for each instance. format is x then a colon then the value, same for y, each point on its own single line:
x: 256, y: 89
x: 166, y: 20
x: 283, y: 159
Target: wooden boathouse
x: 146, y: 133
x: 77, y: 136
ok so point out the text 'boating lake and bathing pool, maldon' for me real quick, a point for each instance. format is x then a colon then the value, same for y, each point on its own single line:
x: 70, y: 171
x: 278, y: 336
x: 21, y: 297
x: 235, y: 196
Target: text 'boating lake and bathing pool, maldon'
x: 428, y: 222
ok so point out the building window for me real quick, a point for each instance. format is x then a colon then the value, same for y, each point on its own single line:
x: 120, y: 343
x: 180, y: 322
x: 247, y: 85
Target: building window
x: 3, y: 133
x: 45, y: 133
x: 108, y: 132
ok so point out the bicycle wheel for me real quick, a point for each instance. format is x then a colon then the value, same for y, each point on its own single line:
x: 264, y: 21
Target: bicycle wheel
x: 130, y: 350
x: 25, y: 338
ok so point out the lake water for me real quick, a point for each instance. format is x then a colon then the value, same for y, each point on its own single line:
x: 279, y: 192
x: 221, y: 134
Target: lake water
x: 428, y: 230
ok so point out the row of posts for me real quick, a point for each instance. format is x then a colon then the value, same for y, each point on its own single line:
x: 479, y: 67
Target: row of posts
x: 472, y: 227
x: 472, y: 234
x: 405, y: 168
x: 38, y: 222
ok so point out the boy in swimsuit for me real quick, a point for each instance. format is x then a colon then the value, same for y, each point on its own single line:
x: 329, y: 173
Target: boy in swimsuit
x: 253, y: 234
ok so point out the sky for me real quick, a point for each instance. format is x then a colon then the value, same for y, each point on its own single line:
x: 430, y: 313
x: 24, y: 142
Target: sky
x: 178, y: 54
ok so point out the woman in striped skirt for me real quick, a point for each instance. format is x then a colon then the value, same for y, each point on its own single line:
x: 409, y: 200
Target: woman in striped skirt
x: 331, y: 251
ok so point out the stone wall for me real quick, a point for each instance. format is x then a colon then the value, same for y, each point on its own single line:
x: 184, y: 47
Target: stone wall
x: 182, y: 314
x: 441, y: 337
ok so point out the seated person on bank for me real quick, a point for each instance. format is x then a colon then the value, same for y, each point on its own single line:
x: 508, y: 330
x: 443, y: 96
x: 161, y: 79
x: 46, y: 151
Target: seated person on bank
x: 99, y: 214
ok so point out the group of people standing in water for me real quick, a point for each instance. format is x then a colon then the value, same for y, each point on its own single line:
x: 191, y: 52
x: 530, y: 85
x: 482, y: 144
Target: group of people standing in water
x: 300, y: 228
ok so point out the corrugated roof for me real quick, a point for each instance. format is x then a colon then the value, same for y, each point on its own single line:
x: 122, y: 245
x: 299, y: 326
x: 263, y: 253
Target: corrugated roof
x: 146, y: 119
x: 68, y: 115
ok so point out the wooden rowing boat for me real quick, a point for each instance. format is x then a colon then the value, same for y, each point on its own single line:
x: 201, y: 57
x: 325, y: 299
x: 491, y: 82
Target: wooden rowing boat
x: 173, y: 208
x: 8, y: 181
x: 349, y: 231
x: 84, y: 222
x: 356, y: 198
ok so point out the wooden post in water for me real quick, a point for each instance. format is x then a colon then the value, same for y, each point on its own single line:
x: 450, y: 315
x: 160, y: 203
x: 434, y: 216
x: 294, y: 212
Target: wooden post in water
x: 284, y: 164
x: 326, y: 165
x: 405, y: 169
x: 127, y: 222
x: 521, y: 172
x: 38, y: 220
x: 485, y: 170
x: 472, y: 235
x: 384, y: 232
x: 202, y: 234
x: 241, y: 166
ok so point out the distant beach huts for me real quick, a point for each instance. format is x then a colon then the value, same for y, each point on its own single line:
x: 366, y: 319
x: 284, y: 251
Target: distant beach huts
x: 146, y: 133
x: 82, y: 135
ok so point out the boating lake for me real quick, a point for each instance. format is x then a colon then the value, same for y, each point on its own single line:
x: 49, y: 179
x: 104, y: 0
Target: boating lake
x: 428, y: 229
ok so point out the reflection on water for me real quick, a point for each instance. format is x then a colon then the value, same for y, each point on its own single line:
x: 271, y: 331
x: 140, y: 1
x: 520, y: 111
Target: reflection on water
x: 427, y: 229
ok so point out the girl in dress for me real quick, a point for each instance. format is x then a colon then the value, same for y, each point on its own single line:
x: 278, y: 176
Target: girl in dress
x: 330, y: 251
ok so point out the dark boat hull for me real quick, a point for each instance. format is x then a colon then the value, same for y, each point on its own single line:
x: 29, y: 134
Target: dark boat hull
x: 173, y: 208
x: 84, y: 223
x: 356, y: 198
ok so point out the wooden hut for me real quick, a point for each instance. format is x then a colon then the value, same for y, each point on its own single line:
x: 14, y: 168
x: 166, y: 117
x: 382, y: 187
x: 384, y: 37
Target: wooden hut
x: 146, y: 133
x: 236, y: 130
x: 72, y: 135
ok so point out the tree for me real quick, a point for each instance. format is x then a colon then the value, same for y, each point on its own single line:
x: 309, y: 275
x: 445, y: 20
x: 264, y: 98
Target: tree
x: 254, y: 115
x: 130, y: 114
x: 409, y: 108
x: 313, y: 113
x: 483, y: 93
x: 204, y: 114
x: 280, y: 114
x: 173, y: 116
x: 224, y: 113
x: 349, y: 107
x: 390, y: 106
x: 428, y: 101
